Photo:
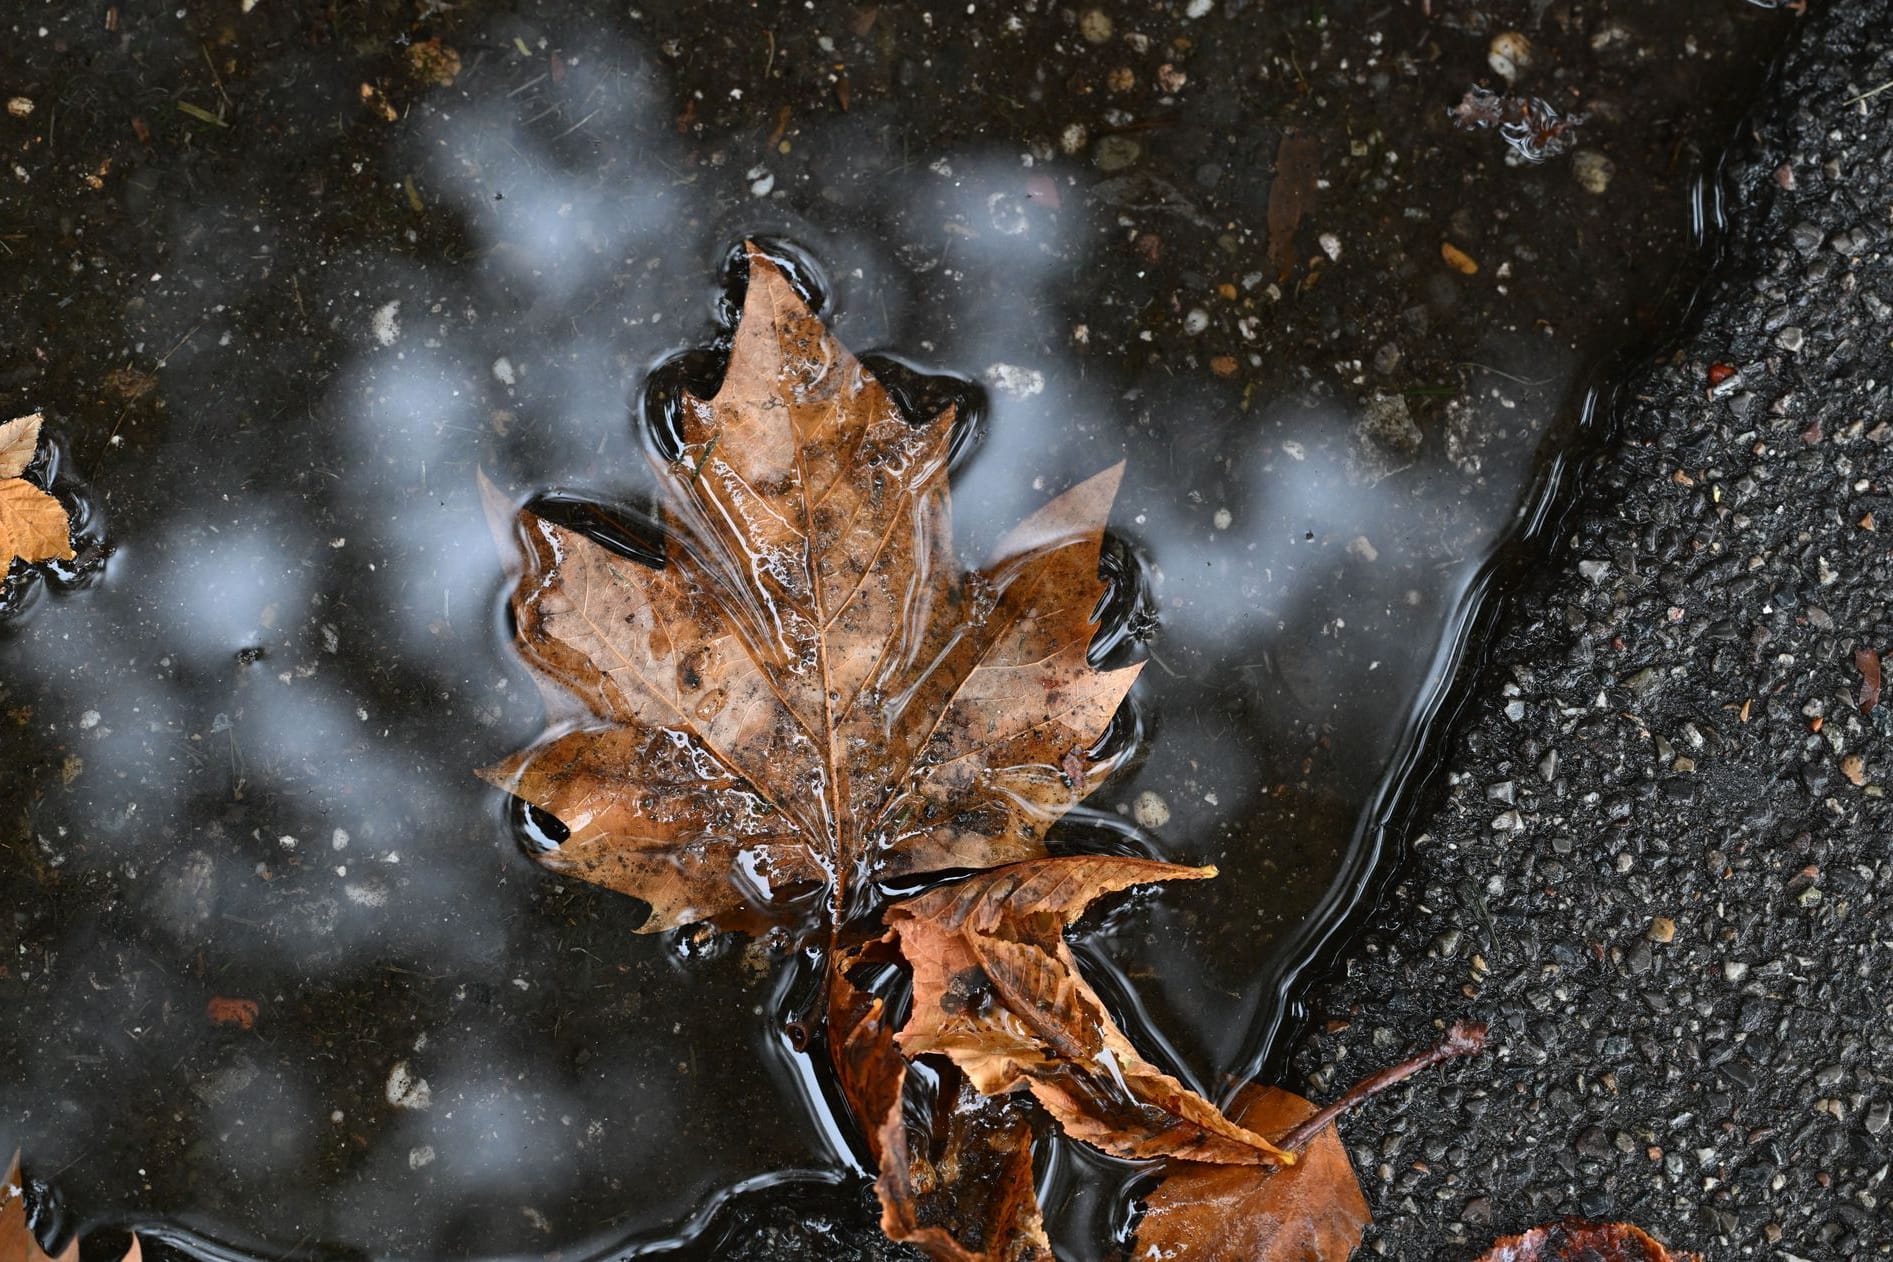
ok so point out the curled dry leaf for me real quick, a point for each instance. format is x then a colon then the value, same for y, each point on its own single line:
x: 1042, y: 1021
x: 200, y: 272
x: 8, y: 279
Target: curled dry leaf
x: 1575, y: 1241
x: 811, y: 691
x: 996, y: 991
x: 955, y: 1167
x: 33, y: 524
x: 1312, y: 1211
x: 17, y: 1242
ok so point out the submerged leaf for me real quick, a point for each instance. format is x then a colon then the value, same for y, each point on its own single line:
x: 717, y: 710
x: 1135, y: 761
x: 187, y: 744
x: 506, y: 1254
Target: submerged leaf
x: 1575, y: 1241
x: 997, y: 991
x: 955, y: 1167
x: 1312, y: 1211
x: 811, y: 690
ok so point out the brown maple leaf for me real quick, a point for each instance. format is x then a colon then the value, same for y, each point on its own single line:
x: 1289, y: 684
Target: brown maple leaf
x: 1576, y: 1241
x: 955, y: 1166
x: 1312, y: 1211
x: 811, y: 690
x: 17, y: 1242
x: 996, y: 990
x: 33, y: 524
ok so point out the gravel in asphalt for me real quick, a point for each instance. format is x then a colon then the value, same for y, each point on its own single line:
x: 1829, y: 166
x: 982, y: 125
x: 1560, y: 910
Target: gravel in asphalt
x: 1659, y: 866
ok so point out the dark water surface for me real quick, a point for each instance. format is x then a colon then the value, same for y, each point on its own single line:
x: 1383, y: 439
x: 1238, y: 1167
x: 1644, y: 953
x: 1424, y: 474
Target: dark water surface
x: 276, y: 333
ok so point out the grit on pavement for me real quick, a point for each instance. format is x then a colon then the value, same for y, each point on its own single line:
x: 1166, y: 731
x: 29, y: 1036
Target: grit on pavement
x: 1660, y: 864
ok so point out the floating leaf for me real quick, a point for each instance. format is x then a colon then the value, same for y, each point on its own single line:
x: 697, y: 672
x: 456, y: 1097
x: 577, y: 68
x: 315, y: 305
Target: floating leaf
x: 1312, y: 1211
x: 997, y: 991
x: 810, y: 691
x: 33, y: 525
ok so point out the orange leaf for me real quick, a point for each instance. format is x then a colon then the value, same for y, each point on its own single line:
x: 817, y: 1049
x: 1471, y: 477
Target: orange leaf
x: 1312, y: 1211
x: 997, y: 991
x: 1576, y: 1241
x: 238, y: 1012
x: 811, y: 691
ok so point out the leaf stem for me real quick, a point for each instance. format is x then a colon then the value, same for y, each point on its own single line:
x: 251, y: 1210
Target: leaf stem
x: 1463, y: 1039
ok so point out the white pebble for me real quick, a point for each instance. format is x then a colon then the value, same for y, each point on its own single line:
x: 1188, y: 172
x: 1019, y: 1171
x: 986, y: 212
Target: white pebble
x: 385, y: 324
x: 1509, y: 55
x: 1150, y: 810
x: 1014, y: 380
x: 407, y: 1091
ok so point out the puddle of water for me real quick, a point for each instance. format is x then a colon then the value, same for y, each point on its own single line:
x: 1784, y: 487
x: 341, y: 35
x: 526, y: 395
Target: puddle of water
x: 246, y: 739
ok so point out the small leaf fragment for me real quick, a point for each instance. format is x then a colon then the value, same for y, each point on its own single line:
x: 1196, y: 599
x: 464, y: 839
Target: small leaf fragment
x: 201, y: 114
x: 1577, y: 1241
x: 1458, y: 259
x: 1312, y: 1211
x: 1867, y: 662
x: 224, y: 1010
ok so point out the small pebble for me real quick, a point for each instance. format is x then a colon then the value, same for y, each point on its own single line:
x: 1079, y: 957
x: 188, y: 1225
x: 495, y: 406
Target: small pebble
x: 1114, y: 153
x: 1593, y: 170
x: 1509, y: 55
x: 1662, y: 929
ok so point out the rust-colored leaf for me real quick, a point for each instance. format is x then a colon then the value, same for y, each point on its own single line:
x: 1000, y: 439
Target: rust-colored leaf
x: 1312, y: 1211
x: 17, y: 1242
x: 811, y: 690
x: 955, y: 1167
x: 996, y: 990
x: 223, y: 1010
x: 1575, y: 1241
x: 33, y: 524
x: 1297, y: 166
x: 1867, y: 662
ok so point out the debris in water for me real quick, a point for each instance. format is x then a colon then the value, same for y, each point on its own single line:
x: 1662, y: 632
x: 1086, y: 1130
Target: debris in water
x: 1529, y: 124
x: 240, y: 1013
x: 1297, y: 164
x: 1458, y: 259
x: 433, y: 62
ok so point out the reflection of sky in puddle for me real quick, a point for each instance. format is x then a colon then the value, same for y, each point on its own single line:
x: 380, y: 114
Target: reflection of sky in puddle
x: 306, y: 825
